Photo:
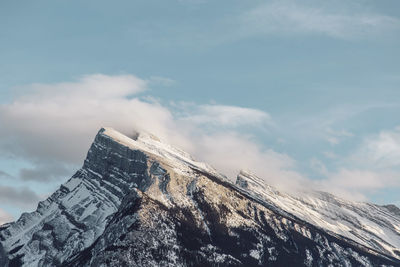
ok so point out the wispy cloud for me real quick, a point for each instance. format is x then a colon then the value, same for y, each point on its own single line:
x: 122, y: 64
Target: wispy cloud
x: 318, y: 166
x: 356, y: 184
x: 371, y: 166
x: 164, y: 81
x: 380, y: 150
x: 296, y: 17
x: 330, y: 155
x: 335, y: 136
x: 341, y: 20
x: 222, y: 115
x: 329, y: 125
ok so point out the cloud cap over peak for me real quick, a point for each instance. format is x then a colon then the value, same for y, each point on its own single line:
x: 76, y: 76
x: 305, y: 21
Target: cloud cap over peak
x: 52, y: 125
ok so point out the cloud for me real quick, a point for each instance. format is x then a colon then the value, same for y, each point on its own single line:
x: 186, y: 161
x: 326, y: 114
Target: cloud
x: 56, y: 122
x: 356, y: 184
x: 229, y: 152
x: 96, y: 86
x: 230, y: 116
x: 330, y: 125
x: 52, y: 126
x: 342, y: 20
x: 372, y: 167
x: 318, y: 166
x: 293, y: 17
x: 5, y: 217
x: 334, y: 137
x: 330, y: 155
x: 381, y: 150
x: 22, y: 197
x: 164, y: 81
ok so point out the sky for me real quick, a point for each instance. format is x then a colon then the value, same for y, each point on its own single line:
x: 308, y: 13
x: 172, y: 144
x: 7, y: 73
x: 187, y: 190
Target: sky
x: 302, y: 93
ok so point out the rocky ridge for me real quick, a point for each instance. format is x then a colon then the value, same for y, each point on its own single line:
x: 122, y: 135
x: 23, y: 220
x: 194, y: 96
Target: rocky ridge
x: 374, y: 226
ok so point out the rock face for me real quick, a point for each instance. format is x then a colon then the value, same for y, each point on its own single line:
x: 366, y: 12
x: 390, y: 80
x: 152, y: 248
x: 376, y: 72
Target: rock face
x: 144, y: 203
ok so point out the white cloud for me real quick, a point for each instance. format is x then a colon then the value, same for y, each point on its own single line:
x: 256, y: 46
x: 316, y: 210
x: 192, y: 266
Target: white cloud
x: 96, y: 86
x: 344, y: 20
x: 295, y: 17
x: 330, y: 155
x: 355, y: 184
x: 231, y: 116
x: 52, y: 126
x: 5, y: 217
x: 334, y: 137
x: 318, y: 166
x: 56, y: 122
x: 230, y: 152
x: 372, y: 167
x: 330, y: 125
x: 164, y: 81
x: 380, y: 151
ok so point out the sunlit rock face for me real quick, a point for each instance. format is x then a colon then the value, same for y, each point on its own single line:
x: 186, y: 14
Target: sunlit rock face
x: 144, y: 203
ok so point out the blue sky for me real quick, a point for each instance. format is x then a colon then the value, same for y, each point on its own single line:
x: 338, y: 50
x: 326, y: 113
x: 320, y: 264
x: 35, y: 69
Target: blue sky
x: 300, y: 91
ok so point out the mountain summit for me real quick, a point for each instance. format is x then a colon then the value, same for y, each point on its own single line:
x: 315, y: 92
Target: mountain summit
x: 140, y: 202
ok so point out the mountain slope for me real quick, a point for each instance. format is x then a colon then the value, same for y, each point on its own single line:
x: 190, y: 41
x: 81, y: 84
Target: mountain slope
x: 144, y: 203
x: 374, y: 226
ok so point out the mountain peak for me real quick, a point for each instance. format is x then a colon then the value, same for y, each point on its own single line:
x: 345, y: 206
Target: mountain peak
x: 146, y: 142
x: 153, y: 145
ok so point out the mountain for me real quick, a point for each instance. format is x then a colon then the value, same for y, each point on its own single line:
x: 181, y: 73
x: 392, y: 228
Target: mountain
x: 374, y: 226
x: 140, y: 202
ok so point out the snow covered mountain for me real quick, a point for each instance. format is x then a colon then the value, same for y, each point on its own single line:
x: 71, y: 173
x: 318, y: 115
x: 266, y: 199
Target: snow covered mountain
x: 140, y: 202
x: 374, y: 226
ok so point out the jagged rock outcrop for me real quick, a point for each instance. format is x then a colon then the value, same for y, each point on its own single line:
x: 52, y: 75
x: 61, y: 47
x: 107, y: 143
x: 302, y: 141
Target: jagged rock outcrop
x: 144, y: 203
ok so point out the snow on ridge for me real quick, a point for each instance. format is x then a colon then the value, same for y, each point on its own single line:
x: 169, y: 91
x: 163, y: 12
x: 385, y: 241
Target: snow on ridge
x: 250, y: 177
x: 365, y: 223
x: 153, y: 145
